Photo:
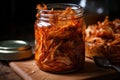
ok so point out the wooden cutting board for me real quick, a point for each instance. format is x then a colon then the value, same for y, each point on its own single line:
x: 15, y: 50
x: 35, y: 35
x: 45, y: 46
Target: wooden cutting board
x: 28, y: 70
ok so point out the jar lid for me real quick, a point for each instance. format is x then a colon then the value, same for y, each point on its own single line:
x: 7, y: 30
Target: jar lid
x: 15, y: 50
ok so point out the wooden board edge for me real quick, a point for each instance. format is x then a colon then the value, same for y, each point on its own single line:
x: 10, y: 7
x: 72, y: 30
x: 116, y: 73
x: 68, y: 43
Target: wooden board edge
x: 19, y: 71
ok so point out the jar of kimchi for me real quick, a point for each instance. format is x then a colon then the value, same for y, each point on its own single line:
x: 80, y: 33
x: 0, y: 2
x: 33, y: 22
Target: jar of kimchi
x: 59, y: 37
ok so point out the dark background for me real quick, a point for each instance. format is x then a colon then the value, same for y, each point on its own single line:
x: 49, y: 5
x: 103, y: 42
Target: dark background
x: 17, y: 16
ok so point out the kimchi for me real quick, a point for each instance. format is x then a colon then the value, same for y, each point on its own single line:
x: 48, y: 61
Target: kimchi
x: 59, y: 38
x: 103, y: 39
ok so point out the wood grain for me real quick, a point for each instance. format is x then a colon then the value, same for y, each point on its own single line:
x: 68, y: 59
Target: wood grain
x: 28, y: 70
x: 6, y: 73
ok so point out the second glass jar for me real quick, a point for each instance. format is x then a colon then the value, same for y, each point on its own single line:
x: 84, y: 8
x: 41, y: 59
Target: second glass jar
x: 59, y: 38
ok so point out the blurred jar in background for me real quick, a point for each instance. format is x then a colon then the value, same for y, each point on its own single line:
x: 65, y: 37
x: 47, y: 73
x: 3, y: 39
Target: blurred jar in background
x: 94, y: 10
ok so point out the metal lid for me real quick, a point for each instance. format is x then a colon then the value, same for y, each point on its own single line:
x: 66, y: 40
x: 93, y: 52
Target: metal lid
x: 15, y: 50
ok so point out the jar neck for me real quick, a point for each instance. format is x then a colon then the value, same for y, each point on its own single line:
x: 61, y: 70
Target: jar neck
x: 61, y: 11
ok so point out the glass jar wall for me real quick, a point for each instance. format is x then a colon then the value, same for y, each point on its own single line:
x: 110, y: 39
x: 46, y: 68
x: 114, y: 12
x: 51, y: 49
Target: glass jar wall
x: 59, y: 38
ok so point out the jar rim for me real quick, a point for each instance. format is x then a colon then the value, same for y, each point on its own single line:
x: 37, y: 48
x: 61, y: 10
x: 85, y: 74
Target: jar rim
x: 58, y: 5
x: 62, y: 6
x: 65, y: 4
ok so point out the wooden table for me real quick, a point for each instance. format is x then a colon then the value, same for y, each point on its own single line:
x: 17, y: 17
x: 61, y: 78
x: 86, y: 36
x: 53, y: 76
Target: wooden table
x: 7, y: 73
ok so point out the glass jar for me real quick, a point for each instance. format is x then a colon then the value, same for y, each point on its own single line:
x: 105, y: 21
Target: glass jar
x: 59, y: 38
